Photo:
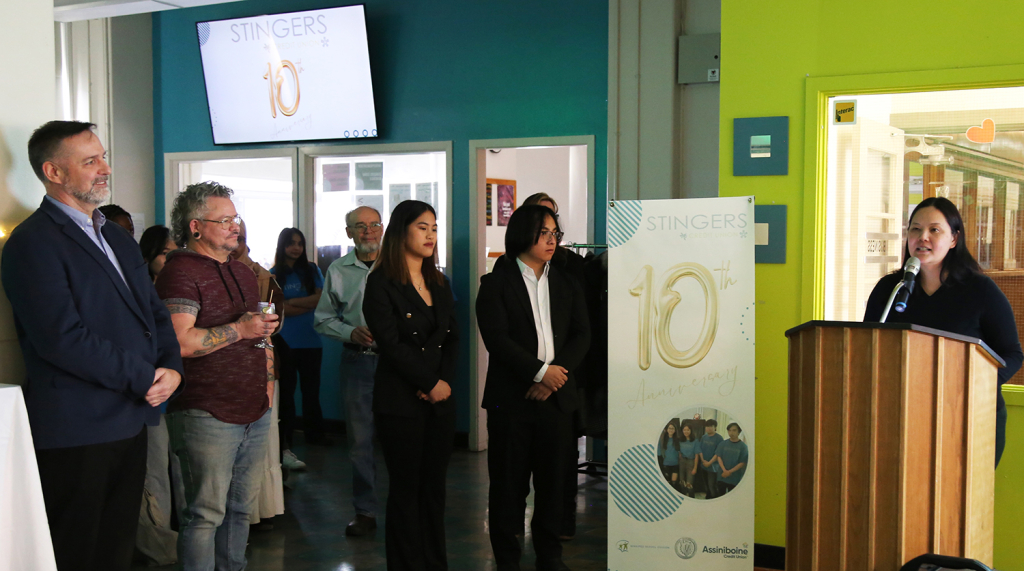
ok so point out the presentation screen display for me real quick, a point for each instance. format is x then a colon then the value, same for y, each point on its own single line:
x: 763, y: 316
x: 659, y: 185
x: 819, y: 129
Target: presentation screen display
x: 288, y: 77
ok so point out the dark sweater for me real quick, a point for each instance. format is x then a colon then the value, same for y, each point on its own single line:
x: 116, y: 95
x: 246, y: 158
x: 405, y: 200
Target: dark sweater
x: 230, y: 383
x: 975, y: 308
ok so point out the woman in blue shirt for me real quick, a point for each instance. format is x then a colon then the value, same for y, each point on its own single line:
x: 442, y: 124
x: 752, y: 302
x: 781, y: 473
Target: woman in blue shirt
x: 301, y: 352
x: 732, y: 460
x: 688, y: 449
x: 668, y: 452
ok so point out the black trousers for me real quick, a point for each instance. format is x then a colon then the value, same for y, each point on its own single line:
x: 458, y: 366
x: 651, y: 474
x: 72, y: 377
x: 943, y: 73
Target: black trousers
x: 417, y: 452
x: 1001, y: 415
x: 518, y: 446
x: 299, y: 366
x: 93, y: 494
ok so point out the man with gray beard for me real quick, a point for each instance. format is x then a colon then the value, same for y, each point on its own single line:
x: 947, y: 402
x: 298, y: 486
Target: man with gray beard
x: 99, y: 347
x: 339, y: 315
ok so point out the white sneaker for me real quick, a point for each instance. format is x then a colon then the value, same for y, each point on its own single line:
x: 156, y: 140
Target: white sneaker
x: 290, y: 461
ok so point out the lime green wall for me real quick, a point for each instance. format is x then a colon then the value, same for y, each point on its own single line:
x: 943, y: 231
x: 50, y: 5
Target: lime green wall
x: 1010, y: 485
x: 771, y: 55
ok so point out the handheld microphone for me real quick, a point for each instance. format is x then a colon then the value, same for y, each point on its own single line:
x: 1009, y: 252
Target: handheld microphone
x: 910, y: 271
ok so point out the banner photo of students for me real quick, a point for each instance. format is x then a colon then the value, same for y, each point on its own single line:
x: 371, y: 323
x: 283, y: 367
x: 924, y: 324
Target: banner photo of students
x: 681, y: 384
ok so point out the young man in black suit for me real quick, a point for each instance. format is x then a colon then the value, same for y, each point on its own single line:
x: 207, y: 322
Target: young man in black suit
x: 100, y: 352
x: 533, y: 320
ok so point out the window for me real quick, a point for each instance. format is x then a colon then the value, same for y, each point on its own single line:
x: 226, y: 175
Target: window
x: 263, y: 195
x: 965, y: 145
x: 345, y: 182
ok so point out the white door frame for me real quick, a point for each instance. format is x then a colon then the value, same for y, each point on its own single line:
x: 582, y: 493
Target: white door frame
x: 477, y: 263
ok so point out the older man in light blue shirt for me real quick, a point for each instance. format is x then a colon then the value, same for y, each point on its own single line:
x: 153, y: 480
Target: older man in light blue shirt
x: 339, y: 315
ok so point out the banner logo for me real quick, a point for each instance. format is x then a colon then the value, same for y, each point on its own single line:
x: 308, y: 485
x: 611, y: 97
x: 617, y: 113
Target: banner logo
x: 686, y: 548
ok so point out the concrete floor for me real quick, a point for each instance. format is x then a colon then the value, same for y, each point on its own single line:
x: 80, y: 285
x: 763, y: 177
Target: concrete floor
x: 311, y: 533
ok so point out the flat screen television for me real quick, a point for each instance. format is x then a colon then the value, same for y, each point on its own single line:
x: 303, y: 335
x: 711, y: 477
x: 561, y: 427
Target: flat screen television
x: 288, y: 77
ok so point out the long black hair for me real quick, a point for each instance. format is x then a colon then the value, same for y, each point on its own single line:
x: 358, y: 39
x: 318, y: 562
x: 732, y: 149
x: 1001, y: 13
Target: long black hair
x: 958, y: 263
x: 391, y: 259
x: 302, y: 267
x: 152, y: 243
x: 662, y: 444
x: 524, y: 226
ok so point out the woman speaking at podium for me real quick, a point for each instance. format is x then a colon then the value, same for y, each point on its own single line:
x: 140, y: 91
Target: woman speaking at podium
x: 952, y: 293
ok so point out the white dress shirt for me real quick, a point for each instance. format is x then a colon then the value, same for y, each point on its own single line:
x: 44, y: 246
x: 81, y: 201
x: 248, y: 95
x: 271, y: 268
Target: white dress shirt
x: 540, y: 301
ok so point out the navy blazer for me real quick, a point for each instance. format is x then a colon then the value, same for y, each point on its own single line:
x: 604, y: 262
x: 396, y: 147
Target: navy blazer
x: 91, y: 344
x: 418, y: 345
x: 505, y: 318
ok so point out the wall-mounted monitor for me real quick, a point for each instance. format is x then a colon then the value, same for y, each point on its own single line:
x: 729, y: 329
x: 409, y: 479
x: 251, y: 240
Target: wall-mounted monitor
x: 288, y: 77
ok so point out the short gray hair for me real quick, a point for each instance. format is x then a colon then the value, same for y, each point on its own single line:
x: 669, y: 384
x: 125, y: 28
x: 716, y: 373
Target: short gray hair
x: 352, y: 214
x: 190, y: 204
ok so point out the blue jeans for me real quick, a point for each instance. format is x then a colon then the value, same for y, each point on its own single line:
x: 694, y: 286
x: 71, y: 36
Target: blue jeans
x: 357, y: 371
x: 221, y: 466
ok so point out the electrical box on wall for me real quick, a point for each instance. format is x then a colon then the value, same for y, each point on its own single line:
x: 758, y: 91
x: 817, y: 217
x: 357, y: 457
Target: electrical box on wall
x: 700, y: 58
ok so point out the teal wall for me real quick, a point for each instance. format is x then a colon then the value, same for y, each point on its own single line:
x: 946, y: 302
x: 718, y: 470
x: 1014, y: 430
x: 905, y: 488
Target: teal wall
x: 455, y: 70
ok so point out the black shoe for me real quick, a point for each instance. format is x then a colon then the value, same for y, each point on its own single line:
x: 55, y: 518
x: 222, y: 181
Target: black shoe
x: 361, y: 525
x: 508, y: 567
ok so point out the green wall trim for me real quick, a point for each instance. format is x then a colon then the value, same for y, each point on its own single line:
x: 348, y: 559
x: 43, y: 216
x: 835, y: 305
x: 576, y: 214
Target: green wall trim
x: 1014, y: 396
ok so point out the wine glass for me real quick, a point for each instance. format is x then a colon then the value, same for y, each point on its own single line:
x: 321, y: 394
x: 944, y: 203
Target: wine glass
x: 266, y: 309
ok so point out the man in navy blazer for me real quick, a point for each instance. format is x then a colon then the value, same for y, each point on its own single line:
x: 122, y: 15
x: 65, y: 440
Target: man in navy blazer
x: 100, y: 352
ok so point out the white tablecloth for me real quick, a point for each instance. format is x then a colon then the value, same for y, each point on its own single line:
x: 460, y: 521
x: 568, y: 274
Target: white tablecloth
x: 24, y: 534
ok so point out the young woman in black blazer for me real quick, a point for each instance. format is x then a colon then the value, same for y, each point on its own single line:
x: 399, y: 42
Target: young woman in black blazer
x: 533, y: 320
x: 410, y: 311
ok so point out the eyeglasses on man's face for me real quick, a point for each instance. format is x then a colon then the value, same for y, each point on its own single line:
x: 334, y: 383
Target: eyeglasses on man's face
x: 362, y: 228
x: 227, y: 221
x: 547, y: 235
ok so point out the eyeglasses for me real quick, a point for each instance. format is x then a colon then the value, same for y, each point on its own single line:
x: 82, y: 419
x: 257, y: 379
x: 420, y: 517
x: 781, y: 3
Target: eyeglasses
x: 226, y: 221
x: 362, y: 228
x: 546, y: 235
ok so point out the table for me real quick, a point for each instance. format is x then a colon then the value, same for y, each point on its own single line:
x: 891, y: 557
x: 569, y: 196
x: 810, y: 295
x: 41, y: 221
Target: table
x: 24, y: 533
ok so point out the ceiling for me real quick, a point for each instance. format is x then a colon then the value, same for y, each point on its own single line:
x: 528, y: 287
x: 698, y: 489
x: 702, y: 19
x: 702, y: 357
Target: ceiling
x: 75, y: 10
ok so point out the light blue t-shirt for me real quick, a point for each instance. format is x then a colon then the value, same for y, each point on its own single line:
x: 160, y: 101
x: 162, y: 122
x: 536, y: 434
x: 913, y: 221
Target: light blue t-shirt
x: 669, y: 454
x: 709, y: 444
x: 689, y: 449
x: 298, y: 330
x: 732, y: 453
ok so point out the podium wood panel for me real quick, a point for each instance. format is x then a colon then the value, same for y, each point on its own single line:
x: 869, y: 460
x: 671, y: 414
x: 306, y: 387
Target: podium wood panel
x: 891, y: 450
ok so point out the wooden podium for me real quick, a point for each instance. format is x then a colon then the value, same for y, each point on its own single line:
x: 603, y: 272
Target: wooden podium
x: 891, y: 446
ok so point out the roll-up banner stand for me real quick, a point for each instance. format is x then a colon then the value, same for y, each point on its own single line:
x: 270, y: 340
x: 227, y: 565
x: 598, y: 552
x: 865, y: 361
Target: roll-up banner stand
x: 681, y: 361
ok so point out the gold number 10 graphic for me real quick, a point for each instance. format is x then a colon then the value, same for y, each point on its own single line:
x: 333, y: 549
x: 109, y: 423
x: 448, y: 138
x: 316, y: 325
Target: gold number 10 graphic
x: 276, y: 80
x: 656, y: 315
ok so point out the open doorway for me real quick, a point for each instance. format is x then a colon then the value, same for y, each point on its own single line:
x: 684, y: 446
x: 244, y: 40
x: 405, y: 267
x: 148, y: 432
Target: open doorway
x: 562, y: 167
x: 514, y: 174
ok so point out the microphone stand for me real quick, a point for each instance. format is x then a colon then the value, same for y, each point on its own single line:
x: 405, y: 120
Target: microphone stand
x: 892, y: 297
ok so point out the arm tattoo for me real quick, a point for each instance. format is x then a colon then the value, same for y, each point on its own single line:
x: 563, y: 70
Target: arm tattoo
x: 215, y: 337
x: 182, y: 308
x: 270, y: 366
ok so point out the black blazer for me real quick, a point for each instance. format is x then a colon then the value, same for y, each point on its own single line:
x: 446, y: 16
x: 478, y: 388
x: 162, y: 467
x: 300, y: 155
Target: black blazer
x: 505, y: 318
x: 90, y: 343
x: 418, y: 345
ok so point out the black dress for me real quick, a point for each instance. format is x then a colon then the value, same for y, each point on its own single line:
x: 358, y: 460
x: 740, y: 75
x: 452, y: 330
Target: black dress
x: 974, y: 307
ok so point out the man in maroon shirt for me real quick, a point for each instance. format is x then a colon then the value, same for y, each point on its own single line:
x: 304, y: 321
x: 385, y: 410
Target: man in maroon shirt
x: 219, y: 425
